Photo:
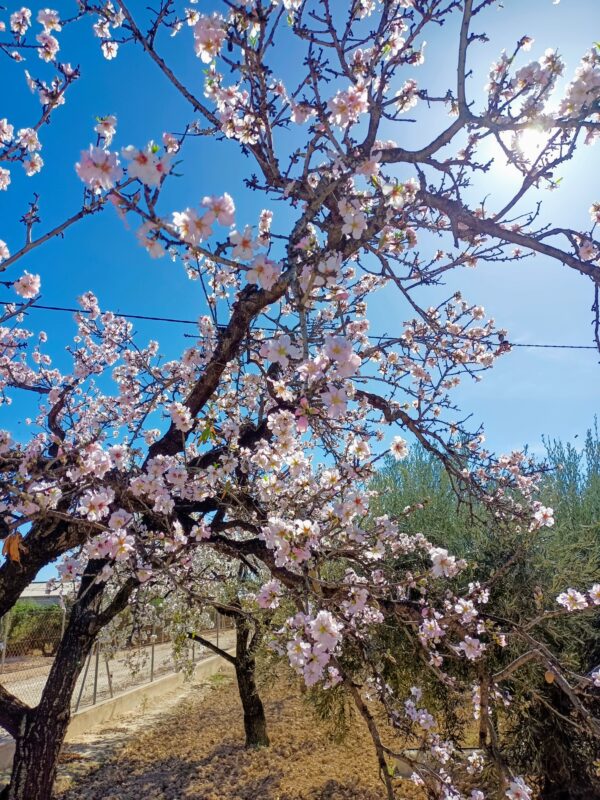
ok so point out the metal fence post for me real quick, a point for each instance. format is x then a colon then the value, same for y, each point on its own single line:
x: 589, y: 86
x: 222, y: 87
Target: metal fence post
x: 108, y: 675
x: 96, y: 665
x: 83, y: 680
x: 152, y: 639
x: 7, y: 621
x: 217, y: 626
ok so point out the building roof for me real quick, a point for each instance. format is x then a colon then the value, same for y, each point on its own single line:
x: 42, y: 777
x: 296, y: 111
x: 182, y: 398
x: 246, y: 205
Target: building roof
x: 37, y: 591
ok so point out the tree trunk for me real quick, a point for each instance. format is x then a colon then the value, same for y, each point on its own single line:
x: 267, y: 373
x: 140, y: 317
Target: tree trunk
x: 36, y: 757
x: 255, y: 723
x: 42, y: 730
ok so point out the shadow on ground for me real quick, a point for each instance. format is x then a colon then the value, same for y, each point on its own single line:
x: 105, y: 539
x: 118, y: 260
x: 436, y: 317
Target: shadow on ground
x: 196, y: 752
x: 176, y: 779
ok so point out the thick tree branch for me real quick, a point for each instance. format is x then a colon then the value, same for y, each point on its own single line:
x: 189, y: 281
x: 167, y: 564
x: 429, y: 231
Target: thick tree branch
x: 195, y: 637
x: 461, y: 215
x: 12, y: 711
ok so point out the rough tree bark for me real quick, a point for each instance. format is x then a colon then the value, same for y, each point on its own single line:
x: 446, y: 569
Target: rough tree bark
x: 255, y: 723
x: 247, y: 640
x: 39, y: 732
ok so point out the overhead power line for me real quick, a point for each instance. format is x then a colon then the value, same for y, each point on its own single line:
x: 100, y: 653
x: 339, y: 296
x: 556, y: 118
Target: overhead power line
x: 176, y: 321
x: 556, y: 346
x: 83, y: 311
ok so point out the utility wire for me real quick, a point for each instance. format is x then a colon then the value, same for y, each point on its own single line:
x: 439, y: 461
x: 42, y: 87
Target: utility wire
x: 557, y: 346
x: 83, y: 311
x: 148, y: 318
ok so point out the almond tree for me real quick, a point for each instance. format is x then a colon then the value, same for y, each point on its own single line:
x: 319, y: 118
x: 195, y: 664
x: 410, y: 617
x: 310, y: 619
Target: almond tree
x: 257, y: 441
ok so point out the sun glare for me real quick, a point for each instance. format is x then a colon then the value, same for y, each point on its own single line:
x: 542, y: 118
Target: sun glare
x: 531, y: 142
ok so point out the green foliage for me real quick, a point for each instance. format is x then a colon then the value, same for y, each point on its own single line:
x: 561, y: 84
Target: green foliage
x: 34, y: 627
x: 334, y: 708
x: 539, y: 731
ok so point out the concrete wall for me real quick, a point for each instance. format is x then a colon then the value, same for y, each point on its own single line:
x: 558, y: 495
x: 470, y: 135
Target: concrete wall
x: 137, y: 698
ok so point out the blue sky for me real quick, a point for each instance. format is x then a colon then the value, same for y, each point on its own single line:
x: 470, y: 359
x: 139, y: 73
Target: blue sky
x: 529, y: 393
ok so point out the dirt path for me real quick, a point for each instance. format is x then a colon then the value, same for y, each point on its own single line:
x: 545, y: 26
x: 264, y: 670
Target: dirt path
x: 191, y: 748
x: 105, y: 742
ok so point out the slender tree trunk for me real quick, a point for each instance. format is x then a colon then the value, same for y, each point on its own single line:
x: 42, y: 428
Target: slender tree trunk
x: 41, y: 731
x: 247, y: 639
x: 255, y: 723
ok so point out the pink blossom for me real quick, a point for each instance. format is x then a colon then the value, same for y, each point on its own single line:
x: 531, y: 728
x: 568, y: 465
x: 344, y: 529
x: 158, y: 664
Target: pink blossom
x: 279, y: 350
x: 431, y: 629
x: 466, y: 609
x: 20, y: 21
x: 32, y: 164
x: 95, y: 503
x: 27, y: 286
x: 269, y: 595
x: 181, y: 417
x: 49, y: 19
x: 544, y: 516
x: 518, y: 790
x: 263, y: 272
x: 472, y: 648
x: 335, y: 401
x: 99, y: 168
x: 119, y: 456
x: 587, y: 250
x: 28, y: 139
x: 314, y: 667
x: 572, y: 600
x: 170, y: 142
x: 594, y: 594
x: 191, y: 227
x: 354, y: 224
x: 109, y: 50
x: 4, y: 251
x: 347, y: 106
x: 399, y: 448
x: 245, y: 244
x: 326, y: 631
x: 298, y: 652
x: 209, y: 35
x: 301, y: 112
x: 49, y: 46
x: 145, y: 165
x: 222, y: 207
x: 119, y: 519
x: 444, y: 565
x: 6, y: 131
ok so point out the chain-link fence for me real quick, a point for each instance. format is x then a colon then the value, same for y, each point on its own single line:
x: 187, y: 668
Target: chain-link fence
x: 29, y: 639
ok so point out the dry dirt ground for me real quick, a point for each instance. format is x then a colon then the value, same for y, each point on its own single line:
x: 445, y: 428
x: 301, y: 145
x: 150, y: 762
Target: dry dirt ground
x: 192, y: 748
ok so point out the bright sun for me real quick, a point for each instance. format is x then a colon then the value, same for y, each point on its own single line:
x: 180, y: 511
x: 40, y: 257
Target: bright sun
x: 531, y: 141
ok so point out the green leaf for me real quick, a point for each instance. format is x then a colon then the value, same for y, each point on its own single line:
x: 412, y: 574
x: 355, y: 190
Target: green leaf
x: 207, y: 434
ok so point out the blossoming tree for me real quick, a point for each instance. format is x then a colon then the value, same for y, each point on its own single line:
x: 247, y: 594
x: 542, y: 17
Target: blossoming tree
x: 258, y: 440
